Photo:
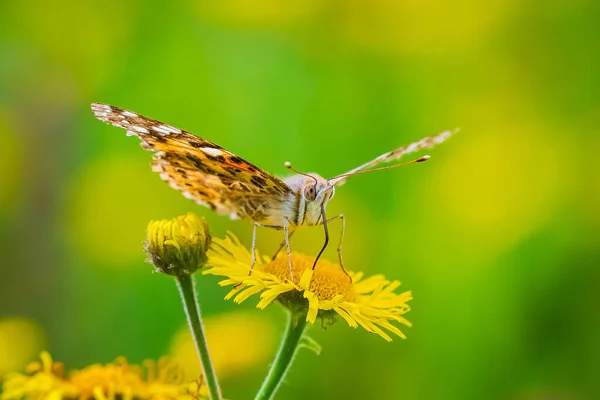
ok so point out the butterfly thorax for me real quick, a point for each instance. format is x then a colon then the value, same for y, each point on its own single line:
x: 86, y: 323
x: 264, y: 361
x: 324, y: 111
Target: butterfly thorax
x: 311, y: 193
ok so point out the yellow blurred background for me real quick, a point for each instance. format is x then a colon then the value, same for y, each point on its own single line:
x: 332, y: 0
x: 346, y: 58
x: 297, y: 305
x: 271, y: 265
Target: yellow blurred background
x: 497, y: 235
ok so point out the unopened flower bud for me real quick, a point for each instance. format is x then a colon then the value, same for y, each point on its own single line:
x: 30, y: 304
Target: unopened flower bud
x: 178, y: 246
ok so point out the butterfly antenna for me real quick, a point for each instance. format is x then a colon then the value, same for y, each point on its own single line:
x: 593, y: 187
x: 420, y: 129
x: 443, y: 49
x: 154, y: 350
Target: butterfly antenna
x: 417, y: 160
x: 288, y: 165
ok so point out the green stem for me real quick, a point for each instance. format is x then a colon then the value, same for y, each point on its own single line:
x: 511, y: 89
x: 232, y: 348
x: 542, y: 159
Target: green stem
x: 285, y: 356
x: 185, y: 283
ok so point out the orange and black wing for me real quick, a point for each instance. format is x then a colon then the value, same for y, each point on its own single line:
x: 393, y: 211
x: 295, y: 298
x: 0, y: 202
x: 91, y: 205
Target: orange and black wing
x: 201, y: 170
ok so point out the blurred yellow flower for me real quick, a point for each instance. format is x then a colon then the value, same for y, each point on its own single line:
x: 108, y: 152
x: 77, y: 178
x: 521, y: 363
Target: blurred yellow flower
x: 20, y: 340
x: 231, y: 353
x: 178, y: 246
x: 325, y: 292
x: 46, y: 380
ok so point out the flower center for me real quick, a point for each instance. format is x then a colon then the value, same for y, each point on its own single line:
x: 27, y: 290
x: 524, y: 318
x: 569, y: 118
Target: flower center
x: 328, y: 279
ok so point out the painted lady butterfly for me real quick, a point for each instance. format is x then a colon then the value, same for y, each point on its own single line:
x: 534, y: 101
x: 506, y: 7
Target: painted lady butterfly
x: 228, y: 184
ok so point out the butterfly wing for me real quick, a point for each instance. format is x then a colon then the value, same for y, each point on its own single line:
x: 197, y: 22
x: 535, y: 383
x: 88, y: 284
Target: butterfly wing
x: 425, y: 143
x: 201, y: 170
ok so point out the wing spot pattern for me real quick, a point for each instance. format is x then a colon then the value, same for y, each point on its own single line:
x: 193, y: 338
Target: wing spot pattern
x: 169, y: 128
x: 211, y: 151
x: 160, y: 130
x: 140, y: 129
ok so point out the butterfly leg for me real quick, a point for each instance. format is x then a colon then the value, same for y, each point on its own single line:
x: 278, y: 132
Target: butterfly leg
x: 282, y: 244
x: 256, y: 224
x: 339, y: 249
x: 287, y: 245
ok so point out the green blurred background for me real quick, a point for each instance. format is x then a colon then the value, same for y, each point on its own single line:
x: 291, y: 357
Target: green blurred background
x: 497, y: 235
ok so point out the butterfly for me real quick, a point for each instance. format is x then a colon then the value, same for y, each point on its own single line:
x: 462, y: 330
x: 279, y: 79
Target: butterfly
x: 220, y: 180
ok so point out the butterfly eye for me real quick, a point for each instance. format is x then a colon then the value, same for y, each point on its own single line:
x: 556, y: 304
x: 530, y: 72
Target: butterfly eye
x: 310, y: 192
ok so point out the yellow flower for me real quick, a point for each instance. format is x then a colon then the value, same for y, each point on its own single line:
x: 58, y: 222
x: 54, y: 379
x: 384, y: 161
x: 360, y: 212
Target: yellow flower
x: 46, y: 380
x: 324, y: 292
x: 178, y: 246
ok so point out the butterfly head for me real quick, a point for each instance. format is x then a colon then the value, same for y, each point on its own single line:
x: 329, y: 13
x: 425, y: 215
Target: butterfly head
x: 314, y: 192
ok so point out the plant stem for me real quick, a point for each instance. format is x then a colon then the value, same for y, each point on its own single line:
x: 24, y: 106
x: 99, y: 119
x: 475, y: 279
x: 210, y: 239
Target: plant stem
x: 285, y: 356
x: 187, y: 290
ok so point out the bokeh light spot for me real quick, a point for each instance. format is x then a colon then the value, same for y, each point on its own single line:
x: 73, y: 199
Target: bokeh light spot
x: 420, y: 27
x: 21, y: 340
x: 111, y: 202
x: 237, y: 341
x: 497, y: 188
x: 249, y: 13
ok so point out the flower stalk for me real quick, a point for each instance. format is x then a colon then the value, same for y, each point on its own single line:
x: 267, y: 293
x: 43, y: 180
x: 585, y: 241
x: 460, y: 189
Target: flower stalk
x: 187, y: 290
x: 178, y: 248
x: 285, y: 356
